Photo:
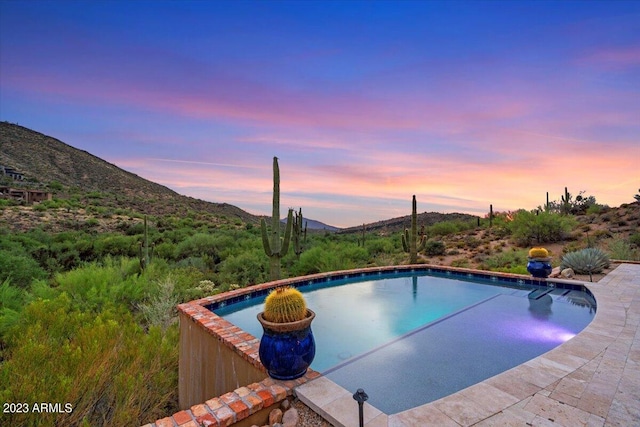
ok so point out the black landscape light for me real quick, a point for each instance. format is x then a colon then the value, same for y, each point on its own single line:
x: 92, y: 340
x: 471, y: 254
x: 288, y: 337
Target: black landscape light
x: 360, y: 396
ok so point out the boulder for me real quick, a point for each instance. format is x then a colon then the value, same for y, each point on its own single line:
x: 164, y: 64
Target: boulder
x: 275, y: 416
x: 555, y: 272
x: 567, y: 273
x: 290, y: 418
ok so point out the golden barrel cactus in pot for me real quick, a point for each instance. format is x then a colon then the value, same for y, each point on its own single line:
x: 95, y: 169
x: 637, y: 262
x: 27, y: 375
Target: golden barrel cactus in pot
x: 539, y: 264
x: 287, y: 346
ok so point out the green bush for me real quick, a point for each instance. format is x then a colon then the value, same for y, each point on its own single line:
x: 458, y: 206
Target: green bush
x: 434, y: 248
x: 110, y: 370
x: 377, y: 246
x: 543, y: 227
x: 317, y: 260
x: 620, y: 249
x: 508, y: 262
x: 200, y: 244
x: 248, y: 267
x: 19, y: 268
x: 99, y: 285
x: 449, y: 227
x: 116, y: 245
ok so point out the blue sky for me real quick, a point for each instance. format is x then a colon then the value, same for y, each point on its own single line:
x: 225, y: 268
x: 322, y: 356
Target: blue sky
x: 463, y: 103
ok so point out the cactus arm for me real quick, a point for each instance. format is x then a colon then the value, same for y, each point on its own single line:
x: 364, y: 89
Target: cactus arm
x: 287, y: 235
x: 405, y: 240
x: 265, y: 238
x: 422, y: 243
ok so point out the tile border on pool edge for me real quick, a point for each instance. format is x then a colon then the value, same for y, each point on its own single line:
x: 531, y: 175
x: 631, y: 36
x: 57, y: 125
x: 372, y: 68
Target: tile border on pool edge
x: 216, y: 301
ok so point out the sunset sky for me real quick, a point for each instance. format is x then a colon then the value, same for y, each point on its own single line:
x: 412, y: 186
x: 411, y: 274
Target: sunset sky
x: 365, y: 103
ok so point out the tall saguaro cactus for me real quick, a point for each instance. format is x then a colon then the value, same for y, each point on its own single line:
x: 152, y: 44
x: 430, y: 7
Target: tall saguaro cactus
x: 566, y: 202
x: 274, y: 247
x: 410, y: 242
x: 490, y: 216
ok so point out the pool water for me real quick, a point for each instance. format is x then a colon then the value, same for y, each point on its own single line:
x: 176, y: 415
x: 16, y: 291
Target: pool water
x: 427, y: 336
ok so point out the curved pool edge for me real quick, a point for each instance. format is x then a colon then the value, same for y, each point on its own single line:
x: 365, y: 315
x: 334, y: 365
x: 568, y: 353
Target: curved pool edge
x: 592, y: 379
x: 246, y: 345
x: 217, y: 356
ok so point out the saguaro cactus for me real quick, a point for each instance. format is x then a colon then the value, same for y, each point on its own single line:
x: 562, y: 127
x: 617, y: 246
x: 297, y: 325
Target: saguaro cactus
x: 546, y: 205
x: 144, y: 247
x: 410, y: 242
x: 566, y: 202
x: 490, y: 216
x: 299, y: 233
x: 274, y: 247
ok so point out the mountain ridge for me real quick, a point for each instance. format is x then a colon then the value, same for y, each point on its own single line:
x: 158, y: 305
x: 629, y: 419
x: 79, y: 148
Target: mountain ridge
x: 44, y: 159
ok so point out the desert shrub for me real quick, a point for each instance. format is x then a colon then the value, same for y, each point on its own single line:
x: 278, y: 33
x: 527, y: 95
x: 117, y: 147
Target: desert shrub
x: 55, y: 186
x: 248, y: 267
x: 116, y: 245
x: 95, y: 286
x: 377, y: 246
x: 12, y: 299
x: 40, y: 207
x: 19, y: 268
x: 165, y: 250
x: 434, y: 248
x: 159, y: 309
x: 471, y: 242
x: 200, y: 244
x: 108, y: 367
x: 199, y: 263
x: 620, y: 249
x: 588, y: 260
x: 463, y: 263
x: 6, y: 202
x: 316, y: 260
x: 528, y: 227
x: 634, y: 239
x: 92, y: 222
x: 595, y: 209
x: 508, y: 261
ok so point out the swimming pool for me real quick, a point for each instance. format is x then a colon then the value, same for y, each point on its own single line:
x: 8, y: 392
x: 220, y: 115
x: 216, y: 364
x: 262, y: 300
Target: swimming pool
x: 409, y: 338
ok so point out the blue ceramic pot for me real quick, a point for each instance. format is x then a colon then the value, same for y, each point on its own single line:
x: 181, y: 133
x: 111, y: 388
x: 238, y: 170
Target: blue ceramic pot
x: 539, y: 267
x: 287, y: 349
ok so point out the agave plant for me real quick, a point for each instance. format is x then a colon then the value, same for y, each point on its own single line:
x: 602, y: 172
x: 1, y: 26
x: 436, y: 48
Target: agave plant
x: 585, y: 261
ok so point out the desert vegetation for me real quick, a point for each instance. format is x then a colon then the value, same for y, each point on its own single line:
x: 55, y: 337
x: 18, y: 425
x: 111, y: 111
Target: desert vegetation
x: 88, y: 287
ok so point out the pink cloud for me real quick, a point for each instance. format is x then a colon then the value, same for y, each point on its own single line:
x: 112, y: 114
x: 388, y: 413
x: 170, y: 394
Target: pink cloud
x: 617, y: 58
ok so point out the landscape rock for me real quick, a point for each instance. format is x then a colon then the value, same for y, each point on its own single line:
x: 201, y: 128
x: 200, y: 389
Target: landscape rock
x: 555, y: 272
x: 285, y: 405
x: 567, y: 273
x: 275, y: 416
x: 290, y: 418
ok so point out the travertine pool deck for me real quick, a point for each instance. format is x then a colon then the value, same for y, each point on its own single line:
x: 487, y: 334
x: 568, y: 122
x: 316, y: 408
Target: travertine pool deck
x: 591, y: 380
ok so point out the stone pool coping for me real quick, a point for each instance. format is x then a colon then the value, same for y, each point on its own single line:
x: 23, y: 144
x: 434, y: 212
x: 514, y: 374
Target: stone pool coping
x: 591, y: 380
x: 571, y: 382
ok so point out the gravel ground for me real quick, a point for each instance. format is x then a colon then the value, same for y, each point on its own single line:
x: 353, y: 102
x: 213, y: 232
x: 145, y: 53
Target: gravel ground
x: 308, y: 418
